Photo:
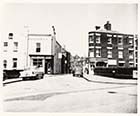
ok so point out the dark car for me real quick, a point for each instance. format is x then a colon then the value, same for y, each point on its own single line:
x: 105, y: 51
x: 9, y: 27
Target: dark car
x: 78, y: 71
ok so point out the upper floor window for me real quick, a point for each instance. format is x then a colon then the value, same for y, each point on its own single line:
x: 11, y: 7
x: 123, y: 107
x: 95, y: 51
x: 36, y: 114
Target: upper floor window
x: 5, y: 44
x: 120, y: 41
x: 109, y: 52
x: 91, y: 54
x: 38, y: 47
x: 5, y: 63
x: 109, y: 41
x: 14, y: 62
x: 136, y: 54
x: 91, y: 39
x: 98, y: 52
x: 98, y: 39
x: 120, y: 54
x: 15, y: 46
x: 131, y: 41
x: 10, y: 36
x: 131, y: 54
x: 131, y: 64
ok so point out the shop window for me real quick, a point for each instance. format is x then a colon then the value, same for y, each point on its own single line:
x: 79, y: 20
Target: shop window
x: 37, y: 62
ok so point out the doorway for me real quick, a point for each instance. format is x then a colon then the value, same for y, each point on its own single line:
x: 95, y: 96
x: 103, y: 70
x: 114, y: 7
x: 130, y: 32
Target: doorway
x: 48, y: 66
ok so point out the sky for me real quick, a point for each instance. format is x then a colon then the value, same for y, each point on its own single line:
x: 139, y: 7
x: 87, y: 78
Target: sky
x: 72, y: 21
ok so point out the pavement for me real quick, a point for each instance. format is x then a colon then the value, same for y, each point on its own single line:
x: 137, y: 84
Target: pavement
x: 90, y: 78
x: 8, y: 81
x: 109, y: 80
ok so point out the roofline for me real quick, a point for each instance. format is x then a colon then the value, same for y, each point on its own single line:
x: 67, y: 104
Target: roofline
x: 39, y: 35
x: 109, y: 32
x: 58, y: 43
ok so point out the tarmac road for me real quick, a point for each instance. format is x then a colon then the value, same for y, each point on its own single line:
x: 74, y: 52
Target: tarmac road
x: 64, y: 93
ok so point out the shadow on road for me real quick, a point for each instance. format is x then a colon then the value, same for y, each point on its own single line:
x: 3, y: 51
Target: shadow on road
x: 44, y: 96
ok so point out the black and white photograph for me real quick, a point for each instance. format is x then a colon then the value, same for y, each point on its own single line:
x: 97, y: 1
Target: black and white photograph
x: 70, y: 57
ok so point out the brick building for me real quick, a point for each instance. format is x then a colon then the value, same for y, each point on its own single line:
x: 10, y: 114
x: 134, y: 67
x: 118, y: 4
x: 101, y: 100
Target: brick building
x: 108, y: 48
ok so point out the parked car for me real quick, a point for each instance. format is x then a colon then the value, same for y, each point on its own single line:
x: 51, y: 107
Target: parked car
x: 78, y: 71
x: 32, y: 73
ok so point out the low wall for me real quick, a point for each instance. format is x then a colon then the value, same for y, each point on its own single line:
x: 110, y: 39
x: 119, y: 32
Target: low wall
x: 10, y: 74
x: 115, y: 72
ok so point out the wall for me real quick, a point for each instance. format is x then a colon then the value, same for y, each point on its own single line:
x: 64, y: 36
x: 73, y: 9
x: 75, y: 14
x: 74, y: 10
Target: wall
x: 9, y: 54
x: 57, y: 60
x: 45, y: 41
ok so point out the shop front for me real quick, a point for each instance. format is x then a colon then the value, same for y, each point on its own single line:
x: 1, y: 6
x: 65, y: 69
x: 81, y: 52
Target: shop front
x: 44, y: 61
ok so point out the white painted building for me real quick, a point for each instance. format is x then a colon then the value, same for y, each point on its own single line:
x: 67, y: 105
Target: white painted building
x: 13, y: 51
x: 25, y: 50
x: 39, y: 50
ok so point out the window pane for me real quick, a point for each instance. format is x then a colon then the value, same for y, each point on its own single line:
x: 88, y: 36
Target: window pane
x: 97, y: 39
x: 38, y: 49
x: 120, y: 41
x: 120, y: 54
x: 10, y: 36
x: 37, y: 62
x: 15, y: 46
x: 109, y: 40
x: 98, y: 52
x: 91, y: 54
x: 5, y: 44
x: 14, y: 62
x: 5, y: 63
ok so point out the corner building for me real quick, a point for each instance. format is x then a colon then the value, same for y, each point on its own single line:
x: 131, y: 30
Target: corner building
x: 109, y: 48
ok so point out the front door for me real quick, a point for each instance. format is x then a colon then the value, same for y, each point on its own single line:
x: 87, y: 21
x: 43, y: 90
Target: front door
x: 48, y: 68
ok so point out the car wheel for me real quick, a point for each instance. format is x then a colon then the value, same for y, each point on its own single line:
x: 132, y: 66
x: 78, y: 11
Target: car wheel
x: 37, y: 76
x: 24, y: 79
x: 42, y: 76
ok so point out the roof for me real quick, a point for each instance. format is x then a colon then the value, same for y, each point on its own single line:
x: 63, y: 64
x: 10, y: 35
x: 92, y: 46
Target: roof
x: 109, y: 32
x: 39, y: 35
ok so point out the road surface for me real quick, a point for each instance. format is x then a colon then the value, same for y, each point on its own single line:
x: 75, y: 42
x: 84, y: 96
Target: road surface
x: 64, y: 93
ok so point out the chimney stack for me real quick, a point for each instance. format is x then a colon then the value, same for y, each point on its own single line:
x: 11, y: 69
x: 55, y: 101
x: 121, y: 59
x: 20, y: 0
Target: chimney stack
x: 107, y: 26
x: 97, y: 27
